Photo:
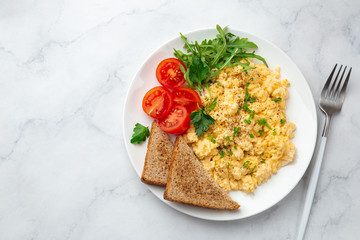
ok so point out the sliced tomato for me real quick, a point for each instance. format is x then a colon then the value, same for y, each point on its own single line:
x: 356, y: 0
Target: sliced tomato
x: 169, y: 74
x: 187, y: 97
x: 157, y: 102
x: 177, y: 121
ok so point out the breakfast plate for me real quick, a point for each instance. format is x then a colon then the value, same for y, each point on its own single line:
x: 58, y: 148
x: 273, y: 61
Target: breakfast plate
x: 300, y: 110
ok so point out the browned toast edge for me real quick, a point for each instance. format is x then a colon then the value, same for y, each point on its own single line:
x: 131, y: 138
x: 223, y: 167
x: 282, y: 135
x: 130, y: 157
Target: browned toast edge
x: 143, y: 178
x: 166, y: 196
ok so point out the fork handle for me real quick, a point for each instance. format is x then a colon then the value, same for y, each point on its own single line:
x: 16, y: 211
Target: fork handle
x: 311, y: 189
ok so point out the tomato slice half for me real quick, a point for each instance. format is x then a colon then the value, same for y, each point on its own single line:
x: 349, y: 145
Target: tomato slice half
x: 157, y: 102
x: 169, y: 74
x: 177, y: 121
x: 187, y: 97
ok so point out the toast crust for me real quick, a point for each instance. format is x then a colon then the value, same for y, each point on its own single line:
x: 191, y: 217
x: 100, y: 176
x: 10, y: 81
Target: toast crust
x: 189, y: 183
x: 158, y: 157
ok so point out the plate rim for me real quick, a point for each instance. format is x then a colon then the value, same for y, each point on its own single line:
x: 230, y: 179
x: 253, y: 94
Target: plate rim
x: 313, y: 110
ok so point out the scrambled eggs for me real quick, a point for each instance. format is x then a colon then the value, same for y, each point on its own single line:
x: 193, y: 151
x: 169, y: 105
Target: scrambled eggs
x: 251, y: 137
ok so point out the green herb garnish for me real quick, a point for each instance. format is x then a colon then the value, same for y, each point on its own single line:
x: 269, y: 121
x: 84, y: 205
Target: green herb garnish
x: 206, y: 59
x: 252, y: 169
x: 222, y: 154
x: 236, y: 131
x: 264, y: 122
x: 228, y: 138
x: 251, y: 135
x: 261, y: 132
x: 245, y: 106
x: 277, y: 99
x: 252, y: 115
x: 228, y: 165
x: 212, y: 106
x: 247, y: 95
x: 211, y: 139
x: 201, y: 121
x: 219, y: 84
x: 246, y: 164
x: 140, y: 134
x: 247, y: 121
x: 282, y: 121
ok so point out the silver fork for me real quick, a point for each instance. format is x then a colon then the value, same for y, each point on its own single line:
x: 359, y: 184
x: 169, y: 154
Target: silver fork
x: 331, y: 100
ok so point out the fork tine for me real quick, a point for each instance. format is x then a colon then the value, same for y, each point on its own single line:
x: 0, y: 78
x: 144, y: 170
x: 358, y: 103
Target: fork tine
x: 335, y: 92
x: 332, y: 88
x: 343, y: 89
x: 327, y: 84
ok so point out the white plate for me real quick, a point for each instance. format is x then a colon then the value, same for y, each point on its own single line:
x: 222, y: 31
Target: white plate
x: 300, y: 110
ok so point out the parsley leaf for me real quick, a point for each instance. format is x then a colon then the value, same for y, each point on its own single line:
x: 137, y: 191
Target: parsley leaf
x: 140, y: 134
x: 201, y: 121
x: 277, y: 99
x: 282, y: 121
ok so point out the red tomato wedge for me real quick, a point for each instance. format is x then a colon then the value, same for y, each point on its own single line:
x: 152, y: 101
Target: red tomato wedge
x: 169, y: 74
x: 157, y: 102
x: 187, y: 97
x: 177, y: 122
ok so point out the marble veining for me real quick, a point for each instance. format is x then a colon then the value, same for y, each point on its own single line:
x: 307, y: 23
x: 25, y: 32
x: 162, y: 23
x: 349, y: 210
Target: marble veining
x: 65, y: 67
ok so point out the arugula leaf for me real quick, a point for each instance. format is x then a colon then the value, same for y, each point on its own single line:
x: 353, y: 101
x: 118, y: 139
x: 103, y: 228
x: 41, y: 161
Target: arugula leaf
x: 206, y: 59
x: 140, y: 134
x: 201, y: 121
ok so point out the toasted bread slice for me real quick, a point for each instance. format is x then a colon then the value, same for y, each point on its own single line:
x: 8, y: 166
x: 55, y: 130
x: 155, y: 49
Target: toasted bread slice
x: 158, y: 157
x: 190, y: 183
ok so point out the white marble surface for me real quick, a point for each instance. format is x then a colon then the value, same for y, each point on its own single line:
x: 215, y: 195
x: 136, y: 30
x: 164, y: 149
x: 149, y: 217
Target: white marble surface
x: 65, y: 67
